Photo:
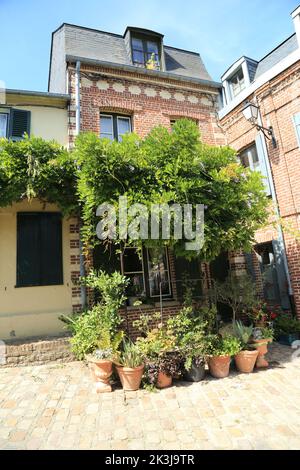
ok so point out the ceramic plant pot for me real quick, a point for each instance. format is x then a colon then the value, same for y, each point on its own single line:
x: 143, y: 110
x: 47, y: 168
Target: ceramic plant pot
x: 130, y: 377
x: 261, y: 345
x: 101, y: 371
x: 245, y: 360
x: 219, y: 366
x: 163, y: 380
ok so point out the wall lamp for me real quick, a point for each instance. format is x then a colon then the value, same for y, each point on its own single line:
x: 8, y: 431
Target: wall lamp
x: 250, y: 112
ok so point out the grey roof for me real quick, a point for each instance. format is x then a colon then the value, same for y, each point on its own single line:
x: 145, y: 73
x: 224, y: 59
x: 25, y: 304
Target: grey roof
x: 109, y: 47
x: 279, y: 53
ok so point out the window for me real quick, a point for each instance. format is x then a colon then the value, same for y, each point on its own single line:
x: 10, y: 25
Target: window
x: 237, y: 82
x: 146, y: 272
x: 249, y: 158
x: 158, y: 271
x: 113, y: 127
x: 268, y: 268
x: 14, y: 123
x: 3, y: 124
x: 296, y: 119
x: 39, y: 249
x: 144, y: 50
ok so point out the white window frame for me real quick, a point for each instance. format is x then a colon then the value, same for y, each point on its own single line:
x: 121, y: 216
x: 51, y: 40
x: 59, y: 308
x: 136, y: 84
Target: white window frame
x: 128, y: 118
x: 6, y: 113
x: 236, y: 73
x: 296, y: 121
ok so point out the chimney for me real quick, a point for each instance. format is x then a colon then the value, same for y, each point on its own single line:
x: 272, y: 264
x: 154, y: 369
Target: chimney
x: 296, y: 19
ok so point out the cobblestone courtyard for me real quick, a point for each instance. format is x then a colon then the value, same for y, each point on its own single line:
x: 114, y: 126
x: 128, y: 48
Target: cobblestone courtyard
x: 55, y: 407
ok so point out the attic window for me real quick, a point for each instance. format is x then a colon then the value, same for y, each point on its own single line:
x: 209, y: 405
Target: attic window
x: 237, y: 82
x: 145, y: 53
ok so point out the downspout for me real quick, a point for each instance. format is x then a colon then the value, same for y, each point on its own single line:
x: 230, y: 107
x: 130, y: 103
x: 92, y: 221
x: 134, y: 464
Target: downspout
x: 77, y: 131
x: 274, y: 198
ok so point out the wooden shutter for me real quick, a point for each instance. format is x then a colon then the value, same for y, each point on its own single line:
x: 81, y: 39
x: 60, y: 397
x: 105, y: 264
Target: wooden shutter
x: 39, y: 249
x: 262, y: 156
x: 281, y: 274
x: 28, y: 249
x: 19, y: 124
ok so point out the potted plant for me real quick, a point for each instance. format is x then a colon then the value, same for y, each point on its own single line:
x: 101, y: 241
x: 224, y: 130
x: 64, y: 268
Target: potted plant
x: 246, y: 358
x: 100, y: 361
x: 287, y: 329
x: 220, y: 349
x: 261, y: 338
x: 159, y: 350
x: 130, y: 367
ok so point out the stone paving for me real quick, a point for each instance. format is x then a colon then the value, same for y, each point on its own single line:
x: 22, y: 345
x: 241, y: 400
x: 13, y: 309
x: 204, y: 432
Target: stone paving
x: 55, y: 407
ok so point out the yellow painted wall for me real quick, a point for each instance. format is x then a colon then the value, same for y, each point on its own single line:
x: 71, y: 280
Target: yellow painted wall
x: 48, y: 123
x: 30, y: 311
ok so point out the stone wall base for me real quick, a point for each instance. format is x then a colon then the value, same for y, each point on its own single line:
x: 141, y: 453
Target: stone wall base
x: 37, y: 351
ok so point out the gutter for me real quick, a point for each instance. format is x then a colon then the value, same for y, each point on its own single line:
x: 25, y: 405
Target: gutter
x: 42, y: 94
x: 143, y: 71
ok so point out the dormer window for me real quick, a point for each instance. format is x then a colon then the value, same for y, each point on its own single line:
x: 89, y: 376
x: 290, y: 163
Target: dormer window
x: 237, y: 82
x: 145, y: 53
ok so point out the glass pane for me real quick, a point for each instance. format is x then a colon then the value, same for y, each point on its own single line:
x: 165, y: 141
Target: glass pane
x: 138, y: 57
x: 245, y: 159
x: 152, y: 47
x: 106, y: 124
x: 123, y: 127
x: 3, y: 125
x: 131, y: 260
x: 136, y: 285
x: 158, y: 272
x: 254, y: 154
x: 137, y: 44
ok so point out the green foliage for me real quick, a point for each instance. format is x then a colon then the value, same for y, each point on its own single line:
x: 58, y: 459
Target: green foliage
x: 217, y: 345
x: 172, y: 168
x: 130, y: 356
x: 243, y: 333
x: 285, y: 324
x: 35, y: 168
x: 264, y: 332
x: 97, y: 328
x: 238, y: 292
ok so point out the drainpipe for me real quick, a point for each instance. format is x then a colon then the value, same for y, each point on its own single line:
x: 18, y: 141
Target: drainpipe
x: 77, y: 131
x: 274, y: 198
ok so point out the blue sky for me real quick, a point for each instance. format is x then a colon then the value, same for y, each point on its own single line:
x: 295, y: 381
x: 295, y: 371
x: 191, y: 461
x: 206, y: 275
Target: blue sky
x: 221, y: 30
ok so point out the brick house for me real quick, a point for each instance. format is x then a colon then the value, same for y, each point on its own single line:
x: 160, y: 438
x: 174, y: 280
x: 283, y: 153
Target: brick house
x: 118, y: 83
x: 273, y: 85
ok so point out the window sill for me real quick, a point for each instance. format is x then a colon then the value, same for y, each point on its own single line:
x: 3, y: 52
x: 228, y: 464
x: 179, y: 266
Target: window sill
x: 156, y: 305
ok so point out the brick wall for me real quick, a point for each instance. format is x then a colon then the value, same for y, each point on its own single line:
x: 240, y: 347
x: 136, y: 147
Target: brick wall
x: 278, y: 100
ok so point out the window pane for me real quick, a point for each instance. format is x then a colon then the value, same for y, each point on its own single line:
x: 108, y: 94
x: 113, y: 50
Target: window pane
x: 138, y: 57
x: 123, y: 126
x: 132, y: 261
x: 137, y: 44
x: 152, y: 47
x: 158, y: 272
x: 136, y: 285
x: 106, y: 127
x: 3, y: 124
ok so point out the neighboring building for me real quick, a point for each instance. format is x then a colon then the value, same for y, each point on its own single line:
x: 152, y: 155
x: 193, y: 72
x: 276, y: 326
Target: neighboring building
x: 118, y: 83
x: 33, y: 236
x: 273, y: 84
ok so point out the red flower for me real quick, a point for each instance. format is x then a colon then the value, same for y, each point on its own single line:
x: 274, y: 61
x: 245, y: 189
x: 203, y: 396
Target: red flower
x: 273, y: 316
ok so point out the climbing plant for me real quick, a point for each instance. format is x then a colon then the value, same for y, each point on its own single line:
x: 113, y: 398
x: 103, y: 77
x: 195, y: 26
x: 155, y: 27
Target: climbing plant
x: 170, y: 168
x: 34, y: 168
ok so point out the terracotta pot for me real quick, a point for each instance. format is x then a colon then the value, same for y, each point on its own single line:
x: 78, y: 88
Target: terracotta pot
x: 261, y: 345
x: 130, y: 377
x: 245, y: 361
x: 219, y: 366
x: 101, y: 371
x: 163, y: 380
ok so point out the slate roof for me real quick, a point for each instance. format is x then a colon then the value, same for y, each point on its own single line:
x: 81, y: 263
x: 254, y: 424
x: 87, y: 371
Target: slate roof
x: 111, y: 48
x: 277, y: 55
